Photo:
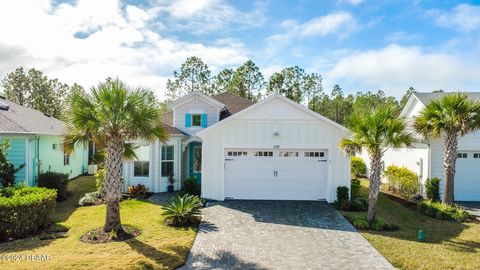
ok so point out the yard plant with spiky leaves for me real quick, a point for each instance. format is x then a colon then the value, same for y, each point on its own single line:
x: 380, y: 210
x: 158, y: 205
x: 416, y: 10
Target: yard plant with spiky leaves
x: 376, y: 133
x: 450, y: 117
x: 112, y: 115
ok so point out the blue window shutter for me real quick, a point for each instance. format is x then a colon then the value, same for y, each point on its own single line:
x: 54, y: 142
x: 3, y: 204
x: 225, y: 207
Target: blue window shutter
x: 204, y: 120
x: 188, y: 120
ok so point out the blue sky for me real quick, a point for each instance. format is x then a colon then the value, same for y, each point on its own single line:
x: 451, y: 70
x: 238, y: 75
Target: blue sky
x: 360, y: 44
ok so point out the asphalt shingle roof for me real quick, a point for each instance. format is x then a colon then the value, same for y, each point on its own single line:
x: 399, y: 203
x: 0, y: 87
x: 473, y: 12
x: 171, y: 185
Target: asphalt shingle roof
x: 19, y: 119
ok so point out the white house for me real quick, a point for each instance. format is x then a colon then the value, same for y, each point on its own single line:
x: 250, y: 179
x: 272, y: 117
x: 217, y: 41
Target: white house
x: 425, y: 157
x: 275, y: 149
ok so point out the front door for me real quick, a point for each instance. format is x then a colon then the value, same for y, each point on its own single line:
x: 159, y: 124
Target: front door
x: 196, y: 161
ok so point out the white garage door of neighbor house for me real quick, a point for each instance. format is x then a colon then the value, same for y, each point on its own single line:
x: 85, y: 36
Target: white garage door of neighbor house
x: 266, y: 174
x: 467, y: 176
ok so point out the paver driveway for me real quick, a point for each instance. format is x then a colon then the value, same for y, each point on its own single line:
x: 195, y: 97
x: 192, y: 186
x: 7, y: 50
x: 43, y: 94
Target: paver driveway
x: 279, y: 235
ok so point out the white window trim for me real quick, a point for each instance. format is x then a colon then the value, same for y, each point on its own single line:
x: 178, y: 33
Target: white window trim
x: 167, y: 160
x: 149, y: 163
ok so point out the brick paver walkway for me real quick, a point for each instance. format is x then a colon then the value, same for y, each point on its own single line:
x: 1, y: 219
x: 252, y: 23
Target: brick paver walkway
x: 279, y: 235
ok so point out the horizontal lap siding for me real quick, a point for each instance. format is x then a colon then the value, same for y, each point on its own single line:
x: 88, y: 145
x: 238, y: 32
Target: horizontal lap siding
x: 16, y: 155
x: 194, y: 105
x: 312, y: 133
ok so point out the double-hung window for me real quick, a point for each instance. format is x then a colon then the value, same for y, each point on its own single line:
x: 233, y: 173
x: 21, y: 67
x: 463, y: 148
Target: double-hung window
x: 141, y: 166
x: 167, y: 160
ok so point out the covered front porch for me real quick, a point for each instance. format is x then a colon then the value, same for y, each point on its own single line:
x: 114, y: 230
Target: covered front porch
x: 179, y: 158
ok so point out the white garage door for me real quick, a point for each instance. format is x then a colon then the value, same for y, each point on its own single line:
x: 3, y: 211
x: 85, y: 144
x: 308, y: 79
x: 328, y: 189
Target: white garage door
x: 259, y: 174
x: 467, y: 176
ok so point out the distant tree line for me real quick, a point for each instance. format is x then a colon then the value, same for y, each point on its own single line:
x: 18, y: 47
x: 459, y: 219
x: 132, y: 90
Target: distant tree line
x: 293, y: 82
x: 35, y: 90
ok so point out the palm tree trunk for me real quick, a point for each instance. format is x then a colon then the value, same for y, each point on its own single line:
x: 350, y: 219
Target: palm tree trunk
x: 113, y: 182
x: 449, y: 160
x: 375, y: 171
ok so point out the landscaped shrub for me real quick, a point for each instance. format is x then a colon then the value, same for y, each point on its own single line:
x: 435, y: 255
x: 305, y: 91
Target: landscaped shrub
x: 355, y: 188
x: 138, y: 191
x: 91, y: 198
x: 443, y: 211
x: 342, y: 198
x: 358, y: 204
x: 24, y: 209
x: 361, y: 222
x: 403, y: 182
x: 54, y: 180
x: 191, y: 187
x: 180, y: 211
x: 358, y: 166
x: 7, y: 169
x: 100, y: 181
x: 433, y: 189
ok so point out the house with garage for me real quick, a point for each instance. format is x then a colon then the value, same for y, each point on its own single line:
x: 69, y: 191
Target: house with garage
x: 275, y: 149
x: 425, y: 156
x: 36, y: 142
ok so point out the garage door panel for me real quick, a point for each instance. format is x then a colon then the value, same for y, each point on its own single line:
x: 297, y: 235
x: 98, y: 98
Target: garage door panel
x: 275, y: 177
x: 467, y: 176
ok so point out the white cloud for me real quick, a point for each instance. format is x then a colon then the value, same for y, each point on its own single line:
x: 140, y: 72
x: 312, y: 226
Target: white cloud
x: 340, y: 24
x: 353, y: 2
x: 205, y: 16
x: 401, y: 36
x: 463, y: 17
x: 395, y: 68
x: 88, y: 41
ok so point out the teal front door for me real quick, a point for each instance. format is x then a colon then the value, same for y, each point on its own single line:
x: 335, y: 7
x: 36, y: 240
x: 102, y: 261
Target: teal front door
x: 196, y: 161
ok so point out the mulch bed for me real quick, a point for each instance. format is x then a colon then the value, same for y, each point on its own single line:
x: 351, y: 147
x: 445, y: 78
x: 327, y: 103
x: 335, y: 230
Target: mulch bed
x: 99, y: 236
x: 398, y: 199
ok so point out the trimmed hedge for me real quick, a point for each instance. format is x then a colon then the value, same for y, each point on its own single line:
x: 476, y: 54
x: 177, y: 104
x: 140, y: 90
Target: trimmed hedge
x: 24, y: 209
x: 54, y: 180
x: 433, y: 189
x: 403, y: 182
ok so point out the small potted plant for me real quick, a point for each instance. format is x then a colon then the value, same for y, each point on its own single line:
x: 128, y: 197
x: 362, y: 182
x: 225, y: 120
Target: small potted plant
x: 171, y: 181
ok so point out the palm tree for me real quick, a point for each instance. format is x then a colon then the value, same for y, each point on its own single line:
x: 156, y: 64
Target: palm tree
x: 450, y: 117
x: 113, y: 115
x: 376, y: 133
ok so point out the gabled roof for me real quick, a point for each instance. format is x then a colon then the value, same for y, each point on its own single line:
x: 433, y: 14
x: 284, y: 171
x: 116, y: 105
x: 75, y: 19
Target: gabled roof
x: 198, y: 94
x: 426, y: 97
x: 267, y: 100
x: 21, y: 120
x: 232, y: 105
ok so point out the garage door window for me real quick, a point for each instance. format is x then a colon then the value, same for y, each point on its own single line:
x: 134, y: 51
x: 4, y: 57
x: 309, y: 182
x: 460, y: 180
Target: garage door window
x: 288, y: 154
x: 476, y: 155
x: 264, y: 153
x: 314, y: 154
x: 237, y: 153
x: 462, y: 155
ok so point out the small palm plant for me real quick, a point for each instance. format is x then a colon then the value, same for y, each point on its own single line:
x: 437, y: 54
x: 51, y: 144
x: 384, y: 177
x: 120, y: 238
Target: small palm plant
x: 450, y: 117
x: 376, y: 133
x: 180, y: 210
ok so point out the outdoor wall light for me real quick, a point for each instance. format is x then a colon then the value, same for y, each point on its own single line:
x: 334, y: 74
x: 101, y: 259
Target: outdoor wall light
x: 276, y: 133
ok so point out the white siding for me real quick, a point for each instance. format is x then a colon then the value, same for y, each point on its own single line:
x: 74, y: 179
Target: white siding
x: 154, y: 182
x: 194, y: 105
x: 256, y: 129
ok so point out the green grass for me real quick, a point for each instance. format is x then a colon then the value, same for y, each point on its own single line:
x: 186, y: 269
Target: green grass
x: 449, y: 245
x: 158, y: 247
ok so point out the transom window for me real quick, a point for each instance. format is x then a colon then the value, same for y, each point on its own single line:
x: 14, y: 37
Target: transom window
x: 196, y: 120
x: 167, y: 160
x: 462, y: 155
x: 141, y: 166
x: 288, y: 154
x: 314, y: 154
x: 263, y: 154
x: 237, y: 153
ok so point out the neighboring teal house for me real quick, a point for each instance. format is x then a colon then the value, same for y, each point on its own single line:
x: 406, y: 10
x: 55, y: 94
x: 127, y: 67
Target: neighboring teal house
x: 36, y: 141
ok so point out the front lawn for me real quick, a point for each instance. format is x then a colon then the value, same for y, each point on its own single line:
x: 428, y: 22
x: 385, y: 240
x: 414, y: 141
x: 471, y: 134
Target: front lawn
x: 449, y: 245
x: 158, y: 246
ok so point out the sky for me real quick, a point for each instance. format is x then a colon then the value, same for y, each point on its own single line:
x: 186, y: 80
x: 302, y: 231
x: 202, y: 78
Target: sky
x: 361, y: 45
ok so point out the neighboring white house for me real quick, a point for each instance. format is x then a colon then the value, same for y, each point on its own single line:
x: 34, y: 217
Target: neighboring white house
x: 275, y: 149
x: 425, y: 157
